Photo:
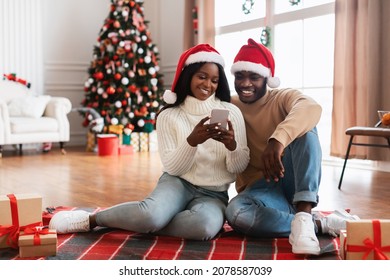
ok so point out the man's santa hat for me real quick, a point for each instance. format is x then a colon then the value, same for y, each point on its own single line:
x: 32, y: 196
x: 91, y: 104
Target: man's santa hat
x: 256, y: 58
x: 198, y: 53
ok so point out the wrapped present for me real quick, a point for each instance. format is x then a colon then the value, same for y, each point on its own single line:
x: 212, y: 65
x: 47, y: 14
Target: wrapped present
x: 37, y: 242
x: 118, y: 130
x: 153, y: 143
x: 91, y: 142
x: 140, y: 141
x: 343, y: 241
x: 18, y: 211
x: 107, y: 144
x: 126, y: 139
x: 125, y: 150
x: 368, y: 240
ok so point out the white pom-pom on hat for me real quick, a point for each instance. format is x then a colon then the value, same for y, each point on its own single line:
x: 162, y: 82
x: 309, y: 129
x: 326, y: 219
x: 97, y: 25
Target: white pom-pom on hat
x: 273, y: 82
x: 169, y: 97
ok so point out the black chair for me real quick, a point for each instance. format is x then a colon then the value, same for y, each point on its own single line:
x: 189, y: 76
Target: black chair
x: 364, y: 131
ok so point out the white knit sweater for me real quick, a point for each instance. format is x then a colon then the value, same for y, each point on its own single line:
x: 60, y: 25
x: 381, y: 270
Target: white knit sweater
x: 209, y: 165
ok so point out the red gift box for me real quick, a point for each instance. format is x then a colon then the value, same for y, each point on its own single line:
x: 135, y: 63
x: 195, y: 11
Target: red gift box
x: 125, y: 150
x: 107, y: 144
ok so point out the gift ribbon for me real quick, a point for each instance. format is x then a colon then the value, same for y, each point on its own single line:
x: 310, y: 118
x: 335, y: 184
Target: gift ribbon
x: 37, y: 232
x: 372, y: 245
x: 14, y: 230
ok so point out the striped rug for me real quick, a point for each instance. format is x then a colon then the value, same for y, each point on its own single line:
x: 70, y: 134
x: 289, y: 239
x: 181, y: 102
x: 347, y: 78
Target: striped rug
x: 111, y: 244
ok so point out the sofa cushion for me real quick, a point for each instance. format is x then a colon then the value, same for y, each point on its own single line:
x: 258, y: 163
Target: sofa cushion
x: 10, y: 90
x: 28, y: 106
x: 32, y: 125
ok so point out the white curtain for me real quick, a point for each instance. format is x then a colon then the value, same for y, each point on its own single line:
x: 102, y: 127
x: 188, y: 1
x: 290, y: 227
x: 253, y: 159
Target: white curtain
x: 21, y: 49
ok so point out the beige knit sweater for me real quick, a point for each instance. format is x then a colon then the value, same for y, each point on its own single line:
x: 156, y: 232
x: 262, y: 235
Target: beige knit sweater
x: 209, y: 165
x: 282, y: 114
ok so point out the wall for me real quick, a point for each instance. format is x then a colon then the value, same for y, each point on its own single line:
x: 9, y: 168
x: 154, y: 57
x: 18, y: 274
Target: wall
x: 70, y: 31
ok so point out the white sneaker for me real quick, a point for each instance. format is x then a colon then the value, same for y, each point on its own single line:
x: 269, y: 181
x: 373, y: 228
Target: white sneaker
x: 303, y: 238
x: 70, y: 221
x: 333, y: 223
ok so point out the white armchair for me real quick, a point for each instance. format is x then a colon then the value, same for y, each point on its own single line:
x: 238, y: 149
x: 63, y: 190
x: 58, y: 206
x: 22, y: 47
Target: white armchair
x: 28, y: 118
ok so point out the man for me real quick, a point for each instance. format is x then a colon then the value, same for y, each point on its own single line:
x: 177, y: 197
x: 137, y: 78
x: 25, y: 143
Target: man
x: 279, y: 188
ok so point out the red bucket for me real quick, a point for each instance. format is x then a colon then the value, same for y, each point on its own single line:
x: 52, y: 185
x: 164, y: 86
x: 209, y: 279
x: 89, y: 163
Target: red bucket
x: 107, y: 144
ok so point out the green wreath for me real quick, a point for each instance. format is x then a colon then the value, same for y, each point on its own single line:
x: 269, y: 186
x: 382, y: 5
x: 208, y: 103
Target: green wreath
x: 265, y: 37
x: 294, y: 2
x: 247, y: 6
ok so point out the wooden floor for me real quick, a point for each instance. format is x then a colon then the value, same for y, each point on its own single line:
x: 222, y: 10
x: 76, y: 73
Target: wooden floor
x: 82, y: 178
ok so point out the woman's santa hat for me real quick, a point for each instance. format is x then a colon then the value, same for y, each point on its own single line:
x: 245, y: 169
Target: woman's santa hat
x: 256, y: 58
x: 198, y: 53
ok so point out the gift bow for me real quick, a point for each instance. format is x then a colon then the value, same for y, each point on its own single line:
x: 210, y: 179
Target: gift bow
x: 37, y: 232
x: 372, y: 245
x: 13, y: 230
x: 13, y: 234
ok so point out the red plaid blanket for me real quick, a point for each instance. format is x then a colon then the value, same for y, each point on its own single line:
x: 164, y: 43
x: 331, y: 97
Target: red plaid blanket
x: 111, y: 244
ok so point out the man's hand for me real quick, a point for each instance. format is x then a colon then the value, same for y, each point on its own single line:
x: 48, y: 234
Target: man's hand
x: 272, y: 161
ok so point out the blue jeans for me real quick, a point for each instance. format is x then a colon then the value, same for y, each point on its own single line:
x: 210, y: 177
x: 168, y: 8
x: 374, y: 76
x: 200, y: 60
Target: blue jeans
x: 174, y: 208
x: 266, y: 209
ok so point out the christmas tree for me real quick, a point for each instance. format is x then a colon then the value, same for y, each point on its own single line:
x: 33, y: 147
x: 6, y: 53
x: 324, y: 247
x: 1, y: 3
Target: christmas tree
x: 124, y: 84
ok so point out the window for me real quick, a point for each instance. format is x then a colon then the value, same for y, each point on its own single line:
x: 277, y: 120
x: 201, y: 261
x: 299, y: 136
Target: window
x: 302, y: 41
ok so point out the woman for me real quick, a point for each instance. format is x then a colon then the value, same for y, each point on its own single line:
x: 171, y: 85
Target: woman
x: 200, y: 160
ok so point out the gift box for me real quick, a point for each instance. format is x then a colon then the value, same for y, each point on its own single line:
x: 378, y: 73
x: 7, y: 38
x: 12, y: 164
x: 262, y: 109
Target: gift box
x: 37, y: 242
x: 125, y: 150
x: 18, y: 211
x: 140, y: 141
x: 126, y: 139
x: 367, y: 240
x: 91, y: 142
x: 107, y: 144
x: 343, y: 241
x: 118, y: 130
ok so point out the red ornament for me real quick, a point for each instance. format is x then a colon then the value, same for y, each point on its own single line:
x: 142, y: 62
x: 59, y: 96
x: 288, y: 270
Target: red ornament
x: 117, y: 24
x: 143, y: 110
x: 98, y: 75
x: 124, y: 103
x: 117, y: 76
x: 110, y: 90
x: 132, y: 88
x: 145, y: 89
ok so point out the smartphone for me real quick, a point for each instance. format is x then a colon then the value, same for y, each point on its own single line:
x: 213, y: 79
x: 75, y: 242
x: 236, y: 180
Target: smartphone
x: 220, y: 116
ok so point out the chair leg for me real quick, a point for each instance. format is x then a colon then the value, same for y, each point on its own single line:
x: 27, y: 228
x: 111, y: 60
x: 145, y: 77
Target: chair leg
x: 345, y: 161
x: 62, y: 148
x: 20, y: 149
x: 1, y: 151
